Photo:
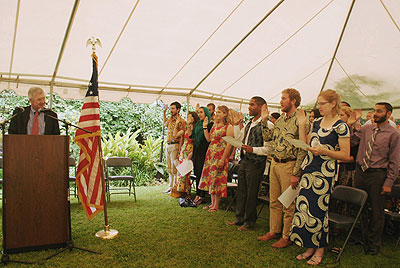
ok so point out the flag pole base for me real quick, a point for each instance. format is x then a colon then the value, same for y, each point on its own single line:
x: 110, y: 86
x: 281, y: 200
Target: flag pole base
x: 107, y: 233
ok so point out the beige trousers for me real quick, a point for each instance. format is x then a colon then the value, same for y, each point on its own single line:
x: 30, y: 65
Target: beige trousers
x: 280, y: 174
x: 171, y: 153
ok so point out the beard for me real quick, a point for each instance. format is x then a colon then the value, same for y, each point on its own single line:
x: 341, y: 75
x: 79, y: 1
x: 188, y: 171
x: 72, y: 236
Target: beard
x: 287, y: 108
x: 380, y: 119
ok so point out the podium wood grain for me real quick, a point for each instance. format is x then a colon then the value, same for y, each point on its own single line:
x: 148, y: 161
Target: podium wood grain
x: 35, y: 184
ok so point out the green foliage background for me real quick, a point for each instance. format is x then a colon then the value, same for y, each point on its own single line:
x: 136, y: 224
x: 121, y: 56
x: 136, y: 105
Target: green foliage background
x: 128, y: 129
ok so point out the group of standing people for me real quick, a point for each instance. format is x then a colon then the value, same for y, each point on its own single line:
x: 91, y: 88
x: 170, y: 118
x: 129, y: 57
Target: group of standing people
x: 200, y: 140
x: 335, y: 138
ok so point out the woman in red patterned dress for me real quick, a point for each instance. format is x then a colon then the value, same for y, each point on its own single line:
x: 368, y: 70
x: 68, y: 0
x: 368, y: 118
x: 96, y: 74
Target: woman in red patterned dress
x: 215, y: 170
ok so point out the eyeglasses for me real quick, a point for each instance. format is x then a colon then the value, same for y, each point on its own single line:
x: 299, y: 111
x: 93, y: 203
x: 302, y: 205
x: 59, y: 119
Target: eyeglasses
x: 322, y: 103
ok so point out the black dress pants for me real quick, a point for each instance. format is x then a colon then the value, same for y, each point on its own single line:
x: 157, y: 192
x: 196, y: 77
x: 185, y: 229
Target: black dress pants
x: 372, y: 225
x: 250, y: 175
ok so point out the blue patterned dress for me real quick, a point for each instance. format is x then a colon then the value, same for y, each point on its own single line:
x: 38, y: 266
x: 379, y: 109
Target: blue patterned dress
x: 310, y: 221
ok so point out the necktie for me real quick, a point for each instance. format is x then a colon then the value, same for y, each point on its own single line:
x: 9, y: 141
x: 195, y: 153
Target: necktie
x: 35, y: 127
x: 367, y: 158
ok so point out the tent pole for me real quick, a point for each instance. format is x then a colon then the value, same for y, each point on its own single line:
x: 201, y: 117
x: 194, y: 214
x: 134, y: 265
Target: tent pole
x: 237, y: 45
x: 14, y: 38
x: 67, y: 32
x: 336, y: 49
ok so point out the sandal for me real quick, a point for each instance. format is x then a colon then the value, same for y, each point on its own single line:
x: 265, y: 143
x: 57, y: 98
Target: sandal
x: 315, y: 260
x: 303, y: 256
x: 199, y: 201
x: 207, y: 207
x: 212, y: 210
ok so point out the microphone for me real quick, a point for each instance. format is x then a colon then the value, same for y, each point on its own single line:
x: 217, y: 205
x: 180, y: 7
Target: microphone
x: 44, y: 110
x: 20, y: 109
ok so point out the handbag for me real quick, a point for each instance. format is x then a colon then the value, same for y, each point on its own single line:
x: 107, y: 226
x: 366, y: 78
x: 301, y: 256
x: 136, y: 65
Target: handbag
x: 187, y: 202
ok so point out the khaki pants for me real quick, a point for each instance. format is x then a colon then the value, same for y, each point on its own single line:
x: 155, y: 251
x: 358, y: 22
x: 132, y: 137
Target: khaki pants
x: 280, y: 174
x: 171, y: 153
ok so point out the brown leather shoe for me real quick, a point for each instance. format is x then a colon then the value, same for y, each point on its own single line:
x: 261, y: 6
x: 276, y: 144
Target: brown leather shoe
x: 282, y: 243
x: 268, y: 236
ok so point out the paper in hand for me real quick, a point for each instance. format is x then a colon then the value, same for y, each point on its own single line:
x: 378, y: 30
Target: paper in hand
x: 299, y: 144
x: 288, y: 196
x: 232, y: 141
x: 185, y: 167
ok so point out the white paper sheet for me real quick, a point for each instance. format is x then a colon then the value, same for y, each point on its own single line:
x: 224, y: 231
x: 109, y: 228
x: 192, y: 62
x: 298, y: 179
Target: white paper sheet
x: 234, y: 142
x: 185, y: 167
x: 299, y: 144
x: 288, y: 196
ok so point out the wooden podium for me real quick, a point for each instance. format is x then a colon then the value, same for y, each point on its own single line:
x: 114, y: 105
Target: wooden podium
x: 35, y: 192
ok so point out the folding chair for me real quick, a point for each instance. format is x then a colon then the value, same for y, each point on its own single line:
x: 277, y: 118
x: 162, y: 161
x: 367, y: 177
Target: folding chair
x: 350, y: 195
x: 72, y: 179
x: 117, y: 163
x: 394, y: 216
x: 231, y: 185
x: 263, y: 193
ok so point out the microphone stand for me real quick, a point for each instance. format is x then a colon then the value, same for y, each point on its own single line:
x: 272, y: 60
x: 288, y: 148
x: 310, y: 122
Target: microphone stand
x: 70, y: 244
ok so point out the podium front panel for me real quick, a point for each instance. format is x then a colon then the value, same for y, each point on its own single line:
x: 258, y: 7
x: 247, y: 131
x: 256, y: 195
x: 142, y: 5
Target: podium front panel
x: 36, y: 207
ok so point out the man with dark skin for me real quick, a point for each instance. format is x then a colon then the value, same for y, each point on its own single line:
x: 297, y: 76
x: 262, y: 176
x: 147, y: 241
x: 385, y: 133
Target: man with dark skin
x: 252, y: 165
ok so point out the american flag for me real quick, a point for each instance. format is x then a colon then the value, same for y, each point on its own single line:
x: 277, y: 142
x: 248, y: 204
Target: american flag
x: 89, y: 170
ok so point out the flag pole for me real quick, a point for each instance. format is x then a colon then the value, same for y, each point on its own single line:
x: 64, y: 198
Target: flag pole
x: 106, y: 233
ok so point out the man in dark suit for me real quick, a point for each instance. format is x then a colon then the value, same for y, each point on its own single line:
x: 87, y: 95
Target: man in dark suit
x: 34, y: 120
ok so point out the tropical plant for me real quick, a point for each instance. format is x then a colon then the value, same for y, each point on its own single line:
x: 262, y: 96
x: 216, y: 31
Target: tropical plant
x: 144, y: 156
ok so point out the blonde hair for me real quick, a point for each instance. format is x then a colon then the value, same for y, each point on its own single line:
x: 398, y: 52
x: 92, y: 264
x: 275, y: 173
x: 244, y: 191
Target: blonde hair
x: 346, y: 110
x: 225, y: 110
x: 331, y: 96
x: 293, y: 95
x: 33, y: 91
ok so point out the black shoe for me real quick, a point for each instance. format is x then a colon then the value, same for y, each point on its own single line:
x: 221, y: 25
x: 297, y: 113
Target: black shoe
x: 373, y: 251
x: 234, y: 223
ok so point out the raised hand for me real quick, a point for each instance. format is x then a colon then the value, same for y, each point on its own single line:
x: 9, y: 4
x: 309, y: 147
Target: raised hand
x: 205, y: 122
x: 237, y: 118
x: 301, y: 117
x: 166, y: 108
x: 264, y: 113
x: 354, y: 117
x: 197, y: 107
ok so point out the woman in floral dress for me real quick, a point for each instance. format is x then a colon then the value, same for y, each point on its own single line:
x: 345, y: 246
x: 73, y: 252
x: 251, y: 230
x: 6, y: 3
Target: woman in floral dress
x: 183, y: 185
x: 215, y: 170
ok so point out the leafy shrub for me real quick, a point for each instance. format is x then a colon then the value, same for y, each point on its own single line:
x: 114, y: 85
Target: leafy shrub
x: 144, y: 156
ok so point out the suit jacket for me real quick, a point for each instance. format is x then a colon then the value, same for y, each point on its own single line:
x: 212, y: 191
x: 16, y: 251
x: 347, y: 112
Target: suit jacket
x: 19, y: 123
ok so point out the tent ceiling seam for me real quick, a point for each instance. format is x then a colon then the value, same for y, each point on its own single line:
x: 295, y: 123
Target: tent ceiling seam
x: 336, y: 48
x: 352, y: 81
x: 119, y: 36
x: 274, y: 50
x: 203, y: 44
x: 237, y: 45
x: 308, y: 75
x: 390, y: 15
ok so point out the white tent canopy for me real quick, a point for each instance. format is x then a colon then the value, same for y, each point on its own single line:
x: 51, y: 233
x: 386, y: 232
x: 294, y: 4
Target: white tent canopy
x: 196, y: 50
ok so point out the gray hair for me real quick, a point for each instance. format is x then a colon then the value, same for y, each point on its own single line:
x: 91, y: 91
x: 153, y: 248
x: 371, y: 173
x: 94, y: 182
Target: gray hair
x: 33, y: 91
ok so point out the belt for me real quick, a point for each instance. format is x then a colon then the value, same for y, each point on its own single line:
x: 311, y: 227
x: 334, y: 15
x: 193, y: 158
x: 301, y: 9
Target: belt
x: 172, y: 142
x: 283, y: 160
x: 371, y: 169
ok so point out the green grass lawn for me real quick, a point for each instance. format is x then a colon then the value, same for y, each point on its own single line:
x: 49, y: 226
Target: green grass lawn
x: 156, y: 232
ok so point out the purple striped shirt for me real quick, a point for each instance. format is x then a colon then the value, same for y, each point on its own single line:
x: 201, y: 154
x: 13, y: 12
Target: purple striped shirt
x: 385, y: 150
